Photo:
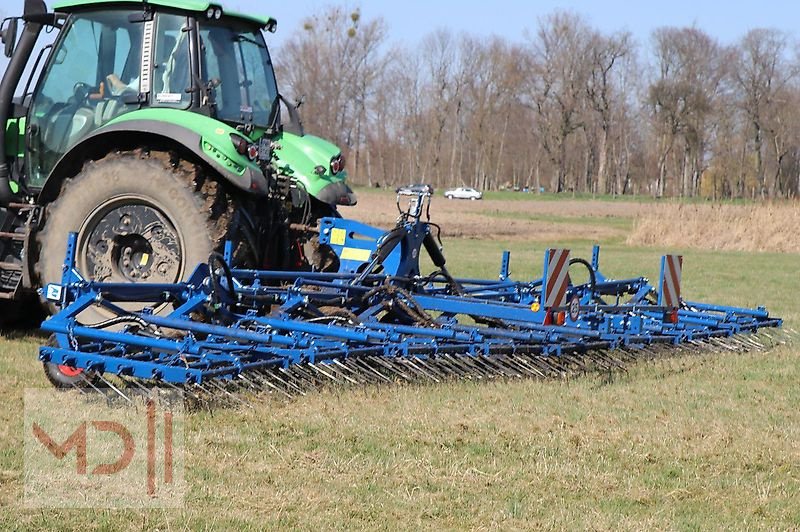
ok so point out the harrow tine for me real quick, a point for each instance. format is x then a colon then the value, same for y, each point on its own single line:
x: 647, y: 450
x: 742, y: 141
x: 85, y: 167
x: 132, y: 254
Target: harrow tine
x: 290, y: 380
x: 420, y: 371
x: 227, y: 393
x: 248, y: 382
x: 469, y: 366
x: 208, y: 394
x: 460, y: 366
x: 432, y: 368
x: 345, y: 370
x: 394, y: 368
x: 324, y: 373
x: 531, y: 369
x: 266, y: 379
x: 341, y: 372
x: 81, y: 389
x: 363, y: 365
x: 514, y: 365
x: 117, y: 390
x: 753, y: 341
x: 105, y: 395
x: 184, y: 390
x: 308, y: 376
x: 723, y: 344
x: 500, y: 369
x: 445, y: 368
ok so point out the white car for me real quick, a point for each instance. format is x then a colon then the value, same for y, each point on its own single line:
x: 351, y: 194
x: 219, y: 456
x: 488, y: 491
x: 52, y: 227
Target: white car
x: 463, y: 193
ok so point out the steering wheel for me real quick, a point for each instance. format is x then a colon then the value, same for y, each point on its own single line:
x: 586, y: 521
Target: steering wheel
x: 81, y: 92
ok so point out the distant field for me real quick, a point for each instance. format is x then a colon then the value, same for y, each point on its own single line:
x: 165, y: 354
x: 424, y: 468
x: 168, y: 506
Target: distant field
x: 684, y: 443
x: 732, y: 226
x: 753, y: 227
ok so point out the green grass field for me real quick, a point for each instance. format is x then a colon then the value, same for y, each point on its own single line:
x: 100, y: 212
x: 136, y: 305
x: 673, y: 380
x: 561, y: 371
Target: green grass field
x: 510, y: 195
x: 682, y: 443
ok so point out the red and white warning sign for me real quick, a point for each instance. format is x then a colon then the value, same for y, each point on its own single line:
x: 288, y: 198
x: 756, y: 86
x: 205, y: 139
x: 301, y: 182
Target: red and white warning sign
x: 671, y: 281
x: 557, y: 278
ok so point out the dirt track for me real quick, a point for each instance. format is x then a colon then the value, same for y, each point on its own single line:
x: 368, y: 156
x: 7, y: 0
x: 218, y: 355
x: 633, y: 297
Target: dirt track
x: 527, y: 219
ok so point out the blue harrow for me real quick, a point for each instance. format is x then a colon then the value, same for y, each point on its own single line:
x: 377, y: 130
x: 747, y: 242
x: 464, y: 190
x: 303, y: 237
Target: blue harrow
x: 376, y: 319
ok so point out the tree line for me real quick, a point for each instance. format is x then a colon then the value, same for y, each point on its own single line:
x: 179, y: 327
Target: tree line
x: 567, y: 109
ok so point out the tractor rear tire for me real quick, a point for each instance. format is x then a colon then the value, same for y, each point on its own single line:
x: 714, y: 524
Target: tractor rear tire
x: 140, y: 216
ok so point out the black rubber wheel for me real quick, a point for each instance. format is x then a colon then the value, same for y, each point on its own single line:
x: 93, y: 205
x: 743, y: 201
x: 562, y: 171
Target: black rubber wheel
x: 65, y: 377
x: 139, y: 216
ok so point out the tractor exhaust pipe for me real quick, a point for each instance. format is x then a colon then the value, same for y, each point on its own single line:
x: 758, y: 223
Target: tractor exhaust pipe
x: 35, y: 10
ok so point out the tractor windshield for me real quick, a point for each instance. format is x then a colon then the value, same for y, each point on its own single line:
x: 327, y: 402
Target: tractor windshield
x: 235, y: 60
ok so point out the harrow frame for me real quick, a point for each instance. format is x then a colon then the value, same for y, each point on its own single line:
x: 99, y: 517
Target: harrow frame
x: 377, y: 319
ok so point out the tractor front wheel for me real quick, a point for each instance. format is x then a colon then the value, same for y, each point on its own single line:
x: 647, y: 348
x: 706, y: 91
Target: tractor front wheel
x: 140, y: 217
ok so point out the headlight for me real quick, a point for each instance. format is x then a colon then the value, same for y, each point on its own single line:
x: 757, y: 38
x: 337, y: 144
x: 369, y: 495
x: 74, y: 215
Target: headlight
x: 337, y: 164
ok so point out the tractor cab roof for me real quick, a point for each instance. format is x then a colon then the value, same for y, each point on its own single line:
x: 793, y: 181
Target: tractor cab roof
x: 197, y: 6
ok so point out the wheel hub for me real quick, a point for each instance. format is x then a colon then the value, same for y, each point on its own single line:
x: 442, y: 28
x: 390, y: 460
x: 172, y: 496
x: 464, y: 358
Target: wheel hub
x: 70, y: 372
x: 131, y: 242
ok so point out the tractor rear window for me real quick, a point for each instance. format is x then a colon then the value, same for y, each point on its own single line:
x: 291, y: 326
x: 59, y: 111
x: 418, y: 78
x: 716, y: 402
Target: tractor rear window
x: 237, y: 63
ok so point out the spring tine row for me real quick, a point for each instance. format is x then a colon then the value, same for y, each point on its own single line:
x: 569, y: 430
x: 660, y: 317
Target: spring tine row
x: 292, y: 334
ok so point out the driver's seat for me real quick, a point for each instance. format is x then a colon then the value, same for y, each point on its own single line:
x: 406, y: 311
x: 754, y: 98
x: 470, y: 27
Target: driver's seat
x: 106, y: 110
x: 67, y: 126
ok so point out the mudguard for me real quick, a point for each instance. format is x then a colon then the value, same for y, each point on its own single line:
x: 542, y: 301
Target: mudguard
x: 205, y: 137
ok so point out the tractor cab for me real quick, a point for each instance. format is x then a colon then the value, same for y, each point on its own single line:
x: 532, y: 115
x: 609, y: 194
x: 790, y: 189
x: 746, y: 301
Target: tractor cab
x: 112, y: 58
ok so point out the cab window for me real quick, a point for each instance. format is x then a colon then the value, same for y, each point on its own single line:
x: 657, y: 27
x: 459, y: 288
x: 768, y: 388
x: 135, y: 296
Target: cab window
x: 92, y: 77
x: 172, y: 83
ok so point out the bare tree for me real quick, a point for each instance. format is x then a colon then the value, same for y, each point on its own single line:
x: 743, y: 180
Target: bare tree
x: 335, y: 64
x: 566, y: 108
x: 762, y: 73
x: 606, y: 53
x: 692, y: 70
x: 557, y: 87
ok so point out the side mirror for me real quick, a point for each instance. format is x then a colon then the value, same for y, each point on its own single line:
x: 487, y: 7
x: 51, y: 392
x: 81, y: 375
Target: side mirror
x: 9, y: 37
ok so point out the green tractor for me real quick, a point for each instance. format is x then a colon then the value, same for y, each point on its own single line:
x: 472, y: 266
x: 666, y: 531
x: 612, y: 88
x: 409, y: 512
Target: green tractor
x: 154, y: 130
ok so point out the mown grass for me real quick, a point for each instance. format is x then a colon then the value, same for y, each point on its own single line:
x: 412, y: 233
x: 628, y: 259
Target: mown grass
x: 682, y: 443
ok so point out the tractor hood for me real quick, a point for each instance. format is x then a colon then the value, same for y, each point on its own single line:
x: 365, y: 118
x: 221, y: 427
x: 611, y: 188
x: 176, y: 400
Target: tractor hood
x: 308, y: 160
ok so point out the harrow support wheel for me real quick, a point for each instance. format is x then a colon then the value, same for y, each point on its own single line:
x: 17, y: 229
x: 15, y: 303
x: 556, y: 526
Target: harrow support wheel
x: 66, y: 378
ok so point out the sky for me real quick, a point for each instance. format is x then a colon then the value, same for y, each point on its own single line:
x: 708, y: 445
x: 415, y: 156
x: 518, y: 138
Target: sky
x: 410, y: 20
